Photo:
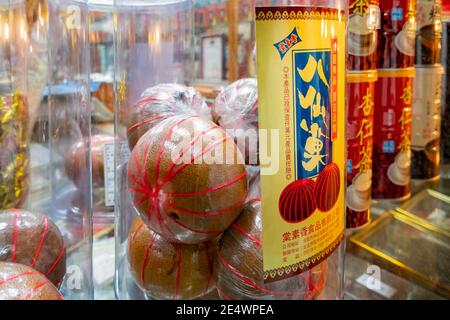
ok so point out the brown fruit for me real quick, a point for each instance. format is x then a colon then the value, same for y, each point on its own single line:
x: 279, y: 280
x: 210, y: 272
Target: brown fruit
x: 34, y: 240
x: 158, y: 103
x: 178, y: 188
x: 167, y: 270
x: 76, y: 157
x: 20, y: 282
x: 239, y: 265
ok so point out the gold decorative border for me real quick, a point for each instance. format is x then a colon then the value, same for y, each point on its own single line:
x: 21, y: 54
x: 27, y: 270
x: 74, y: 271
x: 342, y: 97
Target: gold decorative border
x: 298, y: 13
x: 299, y: 267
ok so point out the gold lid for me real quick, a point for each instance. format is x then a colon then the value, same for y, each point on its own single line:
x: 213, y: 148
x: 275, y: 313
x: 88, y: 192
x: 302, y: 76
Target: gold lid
x: 397, y: 73
x: 362, y: 76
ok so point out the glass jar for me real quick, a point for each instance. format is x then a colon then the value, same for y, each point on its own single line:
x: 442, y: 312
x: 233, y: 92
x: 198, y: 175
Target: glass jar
x: 46, y: 173
x: 189, y: 220
x: 64, y: 129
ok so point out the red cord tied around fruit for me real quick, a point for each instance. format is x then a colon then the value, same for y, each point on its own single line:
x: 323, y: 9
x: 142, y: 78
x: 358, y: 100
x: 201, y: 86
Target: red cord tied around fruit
x: 239, y: 265
x: 177, y: 190
x: 160, y: 102
x: 166, y: 270
x: 300, y: 199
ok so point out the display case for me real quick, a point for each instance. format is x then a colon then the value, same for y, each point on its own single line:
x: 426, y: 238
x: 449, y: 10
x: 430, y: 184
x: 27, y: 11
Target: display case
x: 189, y: 211
x: 389, y: 242
x: 45, y: 159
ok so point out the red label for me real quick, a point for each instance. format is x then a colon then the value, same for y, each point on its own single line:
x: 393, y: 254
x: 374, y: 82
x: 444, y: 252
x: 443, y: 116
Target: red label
x: 334, y: 89
x: 359, y: 130
x: 392, y: 137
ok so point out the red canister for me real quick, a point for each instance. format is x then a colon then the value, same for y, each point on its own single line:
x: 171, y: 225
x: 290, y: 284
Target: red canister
x: 392, y: 134
x: 361, y: 102
x: 396, y: 39
x: 364, y: 22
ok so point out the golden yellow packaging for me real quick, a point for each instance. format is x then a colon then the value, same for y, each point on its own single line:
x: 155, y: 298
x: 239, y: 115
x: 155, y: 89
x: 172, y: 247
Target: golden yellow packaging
x: 301, y: 87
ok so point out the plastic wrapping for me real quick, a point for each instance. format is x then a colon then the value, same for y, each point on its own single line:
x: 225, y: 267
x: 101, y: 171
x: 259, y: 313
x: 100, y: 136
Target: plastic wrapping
x: 160, y: 102
x: 167, y: 270
x: 14, y: 154
x: 239, y: 267
x: 187, y: 179
x: 236, y: 110
x: 34, y: 240
x: 19, y: 282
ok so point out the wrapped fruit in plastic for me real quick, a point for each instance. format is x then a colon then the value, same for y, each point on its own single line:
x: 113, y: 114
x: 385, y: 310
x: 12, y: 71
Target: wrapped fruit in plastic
x: 166, y: 270
x: 187, y: 179
x: 32, y: 239
x: 76, y: 158
x: 236, y: 110
x: 158, y: 103
x: 20, y: 282
x: 239, y: 265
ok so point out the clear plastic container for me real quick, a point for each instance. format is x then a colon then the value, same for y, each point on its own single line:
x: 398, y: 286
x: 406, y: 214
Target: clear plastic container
x: 187, y: 225
x: 56, y: 195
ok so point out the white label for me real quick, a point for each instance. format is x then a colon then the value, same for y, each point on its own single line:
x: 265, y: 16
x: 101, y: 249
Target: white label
x: 103, y: 268
x: 109, y: 174
x: 376, y: 285
x: 123, y: 156
x: 374, y: 19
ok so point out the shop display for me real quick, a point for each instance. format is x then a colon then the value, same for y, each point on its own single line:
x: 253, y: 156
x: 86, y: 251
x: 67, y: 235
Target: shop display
x: 34, y: 240
x: 236, y: 110
x: 14, y: 150
x: 167, y: 270
x: 396, y: 39
x: 364, y: 21
x: 426, y: 122
x: 429, y: 32
x: 160, y: 102
x: 19, y: 282
x: 239, y: 265
x: 360, y: 118
x: 392, y: 134
x: 187, y: 179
